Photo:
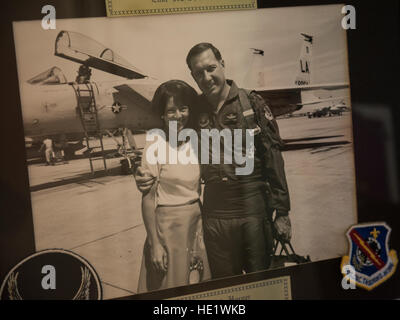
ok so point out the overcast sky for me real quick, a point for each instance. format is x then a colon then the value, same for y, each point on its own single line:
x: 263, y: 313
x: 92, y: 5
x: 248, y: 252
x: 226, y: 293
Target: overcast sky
x: 157, y: 45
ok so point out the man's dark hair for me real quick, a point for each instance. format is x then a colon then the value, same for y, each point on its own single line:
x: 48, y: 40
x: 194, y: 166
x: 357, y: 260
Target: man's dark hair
x: 199, y: 48
x: 182, y: 93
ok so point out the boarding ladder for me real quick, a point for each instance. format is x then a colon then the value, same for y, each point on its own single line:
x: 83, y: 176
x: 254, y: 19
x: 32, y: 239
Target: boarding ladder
x: 86, y: 106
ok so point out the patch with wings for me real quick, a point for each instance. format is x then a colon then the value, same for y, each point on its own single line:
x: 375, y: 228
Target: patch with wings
x: 53, y: 274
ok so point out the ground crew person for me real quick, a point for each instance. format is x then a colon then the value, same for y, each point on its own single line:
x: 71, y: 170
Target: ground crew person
x: 48, y: 146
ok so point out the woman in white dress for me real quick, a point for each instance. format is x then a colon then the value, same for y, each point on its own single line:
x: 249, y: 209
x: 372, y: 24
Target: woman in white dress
x: 174, y: 253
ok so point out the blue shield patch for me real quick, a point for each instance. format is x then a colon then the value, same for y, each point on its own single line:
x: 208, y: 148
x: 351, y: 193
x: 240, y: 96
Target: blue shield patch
x: 369, y: 254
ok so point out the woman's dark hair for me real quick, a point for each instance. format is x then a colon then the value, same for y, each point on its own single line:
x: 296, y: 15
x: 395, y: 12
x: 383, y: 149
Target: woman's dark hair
x: 182, y: 93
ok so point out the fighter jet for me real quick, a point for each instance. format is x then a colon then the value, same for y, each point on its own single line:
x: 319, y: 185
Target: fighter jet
x: 50, y: 103
x: 289, y: 99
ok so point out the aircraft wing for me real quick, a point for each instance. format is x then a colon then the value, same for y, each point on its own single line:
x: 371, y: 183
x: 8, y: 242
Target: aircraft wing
x: 320, y: 100
x: 136, y: 99
x: 329, y: 86
x: 128, y: 95
x: 143, y: 91
x: 288, y: 99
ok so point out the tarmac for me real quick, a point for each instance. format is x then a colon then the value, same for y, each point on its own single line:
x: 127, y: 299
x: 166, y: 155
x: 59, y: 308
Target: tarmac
x: 99, y: 216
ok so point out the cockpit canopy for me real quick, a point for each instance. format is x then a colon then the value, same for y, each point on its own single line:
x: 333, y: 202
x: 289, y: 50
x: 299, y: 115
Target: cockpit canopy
x: 84, y: 50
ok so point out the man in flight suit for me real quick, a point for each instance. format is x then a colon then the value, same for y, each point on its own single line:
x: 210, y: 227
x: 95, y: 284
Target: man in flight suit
x: 238, y: 209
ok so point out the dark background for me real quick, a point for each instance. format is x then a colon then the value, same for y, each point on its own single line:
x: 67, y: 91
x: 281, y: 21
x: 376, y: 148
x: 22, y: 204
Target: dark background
x: 374, y: 71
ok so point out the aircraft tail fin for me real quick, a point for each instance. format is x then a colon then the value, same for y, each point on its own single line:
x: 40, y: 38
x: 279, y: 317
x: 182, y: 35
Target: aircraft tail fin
x: 303, y: 77
x: 255, y: 76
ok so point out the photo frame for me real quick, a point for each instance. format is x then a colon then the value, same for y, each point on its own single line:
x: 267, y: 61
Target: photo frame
x: 294, y: 272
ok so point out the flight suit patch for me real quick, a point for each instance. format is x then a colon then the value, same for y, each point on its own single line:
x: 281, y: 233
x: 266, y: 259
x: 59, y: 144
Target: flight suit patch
x: 229, y: 118
x: 268, y: 114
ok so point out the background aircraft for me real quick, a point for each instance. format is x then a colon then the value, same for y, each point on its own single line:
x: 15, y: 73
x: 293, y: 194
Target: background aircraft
x: 289, y: 99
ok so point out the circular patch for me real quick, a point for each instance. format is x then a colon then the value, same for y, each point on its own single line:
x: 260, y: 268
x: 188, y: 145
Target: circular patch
x: 53, y: 274
x: 268, y: 114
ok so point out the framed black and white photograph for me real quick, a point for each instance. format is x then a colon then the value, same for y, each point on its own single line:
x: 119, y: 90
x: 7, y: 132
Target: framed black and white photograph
x: 183, y: 153
x: 86, y: 97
